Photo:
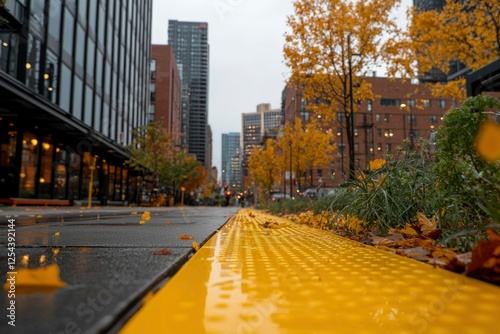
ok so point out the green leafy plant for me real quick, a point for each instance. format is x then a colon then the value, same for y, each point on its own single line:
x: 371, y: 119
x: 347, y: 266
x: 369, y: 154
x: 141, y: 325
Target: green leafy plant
x: 469, y: 182
x: 391, y: 196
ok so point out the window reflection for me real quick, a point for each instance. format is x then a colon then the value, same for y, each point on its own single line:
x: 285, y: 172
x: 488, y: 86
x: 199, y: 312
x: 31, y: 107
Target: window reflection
x: 77, y: 97
x: 50, y: 77
x: 69, y: 22
x: 64, y: 97
x: 88, y: 105
x: 80, y: 46
x: 33, y: 62
x: 55, y: 20
x: 97, y: 113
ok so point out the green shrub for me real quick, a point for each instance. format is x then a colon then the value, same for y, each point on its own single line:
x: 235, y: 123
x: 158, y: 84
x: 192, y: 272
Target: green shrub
x: 391, y: 196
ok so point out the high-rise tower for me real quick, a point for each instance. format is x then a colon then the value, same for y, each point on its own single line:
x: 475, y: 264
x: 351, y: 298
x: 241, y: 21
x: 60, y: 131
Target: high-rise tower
x: 231, y: 160
x: 425, y: 5
x: 190, y: 43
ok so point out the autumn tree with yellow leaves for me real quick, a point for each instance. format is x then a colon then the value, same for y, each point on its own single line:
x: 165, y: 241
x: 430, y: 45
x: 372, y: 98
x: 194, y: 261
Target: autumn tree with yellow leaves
x: 298, y: 150
x: 264, y: 169
x: 154, y: 151
x: 465, y: 31
x: 331, y: 45
x: 304, y: 148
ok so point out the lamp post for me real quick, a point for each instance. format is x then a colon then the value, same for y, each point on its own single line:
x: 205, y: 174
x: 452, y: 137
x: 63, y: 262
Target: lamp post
x: 404, y: 105
x: 91, y: 181
x: 291, y: 179
x: 350, y: 115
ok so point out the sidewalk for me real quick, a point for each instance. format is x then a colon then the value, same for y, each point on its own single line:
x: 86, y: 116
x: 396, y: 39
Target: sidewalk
x: 32, y: 214
x: 263, y: 274
x: 109, y: 259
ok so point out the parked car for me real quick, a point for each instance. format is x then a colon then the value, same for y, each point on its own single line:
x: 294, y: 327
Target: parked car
x: 276, y: 197
x: 319, y: 192
x: 310, y: 193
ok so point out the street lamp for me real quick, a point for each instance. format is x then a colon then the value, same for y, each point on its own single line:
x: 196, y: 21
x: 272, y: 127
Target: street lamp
x: 350, y: 115
x: 291, y: 181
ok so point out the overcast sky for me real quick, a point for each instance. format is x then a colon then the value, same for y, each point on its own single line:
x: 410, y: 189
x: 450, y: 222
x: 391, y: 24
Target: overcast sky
x: 246, y: 40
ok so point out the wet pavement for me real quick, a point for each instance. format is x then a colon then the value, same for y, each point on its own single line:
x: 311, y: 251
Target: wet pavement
x: 104, y: 254
x: 265, y: 274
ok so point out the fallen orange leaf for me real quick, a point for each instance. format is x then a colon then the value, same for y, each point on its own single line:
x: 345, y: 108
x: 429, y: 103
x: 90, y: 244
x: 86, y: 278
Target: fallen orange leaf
x: 186, y: 237
x: 427, y: 226
x: 34, y: 280
x: 56, y: 234
x: 493, y: 235
x: 168, y: 223
x: 163, y: 251
x: 196, y: 247
x: 449, y: 255
x: 142, y: 222
x: 407, y: 230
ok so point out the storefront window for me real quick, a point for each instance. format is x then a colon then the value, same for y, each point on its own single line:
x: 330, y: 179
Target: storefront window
x: 60, y: 174
x: 124, y: 184
x: 28, y: 165
x: 45, y: 180
x: 111, y: 184
x: 8, y: 137
x: 118, y: 184
x: 74, y: 175
x: 8, y: 153
x: 87, y: 168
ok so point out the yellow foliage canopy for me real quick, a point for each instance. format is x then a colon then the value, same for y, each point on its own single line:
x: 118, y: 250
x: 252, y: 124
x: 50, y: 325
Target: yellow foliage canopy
x: 468, y: 31
x: 328, y: 38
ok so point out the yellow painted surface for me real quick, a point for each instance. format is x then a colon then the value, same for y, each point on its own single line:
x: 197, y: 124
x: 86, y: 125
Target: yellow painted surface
x: 263, y: 274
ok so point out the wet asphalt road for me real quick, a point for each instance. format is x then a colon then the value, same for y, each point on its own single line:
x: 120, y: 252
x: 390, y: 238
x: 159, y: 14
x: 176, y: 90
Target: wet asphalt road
x: 106, y: 257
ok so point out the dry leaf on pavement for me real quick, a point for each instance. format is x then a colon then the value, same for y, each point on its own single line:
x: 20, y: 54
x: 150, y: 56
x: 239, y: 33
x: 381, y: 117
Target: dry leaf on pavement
x: 186, y: 237
x: 163, y: 251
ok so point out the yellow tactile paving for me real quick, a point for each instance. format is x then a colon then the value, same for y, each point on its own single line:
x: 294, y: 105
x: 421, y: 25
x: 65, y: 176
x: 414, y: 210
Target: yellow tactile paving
x: 263, y: 274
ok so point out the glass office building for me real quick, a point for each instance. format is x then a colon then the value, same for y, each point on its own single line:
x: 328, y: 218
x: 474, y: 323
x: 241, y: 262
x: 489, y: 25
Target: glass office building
x: 190, y: 43
x: 231, y: 161
x: 74, y: 82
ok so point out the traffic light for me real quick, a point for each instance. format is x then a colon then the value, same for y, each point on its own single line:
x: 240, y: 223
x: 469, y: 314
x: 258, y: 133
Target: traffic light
x: 225, y: 186
x: 228, y: 193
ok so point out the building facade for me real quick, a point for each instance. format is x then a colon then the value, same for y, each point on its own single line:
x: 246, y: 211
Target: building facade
x: 190, y: 43
x: 402, y: 110
x: 255, y: 126
x: 74, y: 82
x: 231, y: 161
x: 425, y: 5
x: 165, y: 91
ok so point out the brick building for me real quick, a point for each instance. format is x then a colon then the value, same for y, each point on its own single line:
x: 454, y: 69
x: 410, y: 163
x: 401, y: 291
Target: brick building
x: 165, y: 104
x: 400, y: 110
